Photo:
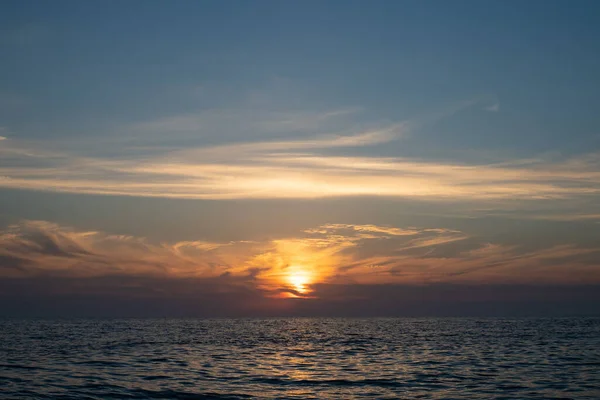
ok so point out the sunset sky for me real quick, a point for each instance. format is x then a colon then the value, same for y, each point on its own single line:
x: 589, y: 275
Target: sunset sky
x: 241, y: 158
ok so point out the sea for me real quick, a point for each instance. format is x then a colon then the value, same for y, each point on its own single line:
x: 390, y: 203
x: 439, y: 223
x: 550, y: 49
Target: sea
x: 301, y: 358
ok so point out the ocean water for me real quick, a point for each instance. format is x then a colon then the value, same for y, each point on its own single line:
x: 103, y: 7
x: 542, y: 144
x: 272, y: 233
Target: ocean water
x: 304, y: 358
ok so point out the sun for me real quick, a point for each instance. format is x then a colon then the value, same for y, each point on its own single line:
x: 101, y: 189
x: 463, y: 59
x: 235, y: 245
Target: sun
x: 299, y: 280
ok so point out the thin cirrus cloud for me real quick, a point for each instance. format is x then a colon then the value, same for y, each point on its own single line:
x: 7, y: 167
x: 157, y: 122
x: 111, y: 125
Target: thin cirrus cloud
x: 494, y: 107
x: 314, y: 166
x: 233, y: 123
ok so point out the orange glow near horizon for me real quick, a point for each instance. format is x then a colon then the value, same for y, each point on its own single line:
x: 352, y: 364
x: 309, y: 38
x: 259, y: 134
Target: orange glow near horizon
x: 293, y: 265
x: 299, y: 279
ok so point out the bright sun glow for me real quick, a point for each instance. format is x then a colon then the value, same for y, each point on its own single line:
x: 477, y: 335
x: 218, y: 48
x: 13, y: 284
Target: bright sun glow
x: 299, y: 280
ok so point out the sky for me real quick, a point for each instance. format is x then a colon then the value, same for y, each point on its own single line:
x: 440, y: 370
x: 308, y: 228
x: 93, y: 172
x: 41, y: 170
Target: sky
x: 267, y: 158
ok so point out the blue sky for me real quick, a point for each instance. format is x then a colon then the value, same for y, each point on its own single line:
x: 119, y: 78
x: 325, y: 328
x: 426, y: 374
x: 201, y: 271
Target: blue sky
x: 78, y: 64
x: 472, y: 126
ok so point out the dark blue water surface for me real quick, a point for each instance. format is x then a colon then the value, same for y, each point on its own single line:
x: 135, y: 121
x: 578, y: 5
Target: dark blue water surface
x: 301, y: 358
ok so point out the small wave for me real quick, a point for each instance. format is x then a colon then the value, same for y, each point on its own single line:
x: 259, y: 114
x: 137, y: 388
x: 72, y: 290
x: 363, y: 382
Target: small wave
x: 338, y: 359
x: 156, y: 377
x: 330, y: 382
x: 172, y: 394
x: 102, y: 363
x: 19, y: 366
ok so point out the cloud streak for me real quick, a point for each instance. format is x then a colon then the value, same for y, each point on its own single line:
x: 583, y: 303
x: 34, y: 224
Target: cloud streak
x: 494, y: 107
x: 322, y: 165
x: 328, y: 254
x: 273, y: 170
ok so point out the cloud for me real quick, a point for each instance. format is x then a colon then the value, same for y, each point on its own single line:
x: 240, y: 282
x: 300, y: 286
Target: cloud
x: 231, y: 123
x: 302, y: 155
x: 567, y: 217
x: 225, y: 296
x: 494, y: 107
x: 44, y: 248
x: 48, y: 269
x: 3, y: 131
x: 331, y: 253
x: 369, y: 229
x: 296, y: 169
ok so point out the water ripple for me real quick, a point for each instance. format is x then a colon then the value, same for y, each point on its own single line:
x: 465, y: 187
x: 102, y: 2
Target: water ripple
x: 301, y: 358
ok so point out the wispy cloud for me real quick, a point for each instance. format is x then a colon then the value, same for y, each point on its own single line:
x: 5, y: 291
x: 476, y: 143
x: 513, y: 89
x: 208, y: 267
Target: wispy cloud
x: 40, y: 248
x: 494, y: 107
x: 331, y: 253
x: 232, y: 123
x: 293, y: 166
x: 565, y: 217
x: 273, y: 170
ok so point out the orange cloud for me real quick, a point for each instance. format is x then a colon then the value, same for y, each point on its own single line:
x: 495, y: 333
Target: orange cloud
x: 331, y: 253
